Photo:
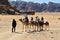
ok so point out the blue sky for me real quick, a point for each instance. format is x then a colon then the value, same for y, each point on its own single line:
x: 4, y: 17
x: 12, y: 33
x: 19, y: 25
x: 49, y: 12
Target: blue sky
x: 42, y: 1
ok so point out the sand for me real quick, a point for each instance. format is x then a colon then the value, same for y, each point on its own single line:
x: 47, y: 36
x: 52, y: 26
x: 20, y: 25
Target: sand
x: 52, y: 34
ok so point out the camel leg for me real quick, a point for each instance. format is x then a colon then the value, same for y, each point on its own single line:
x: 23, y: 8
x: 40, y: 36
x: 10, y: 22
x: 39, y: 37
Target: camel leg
x: 37, y: 27
x: 33, y: 27
x: 30, y: 27
x: 27, y: 27
x: 47, y: 27
x: 42, y: 27
x: 23, y: 28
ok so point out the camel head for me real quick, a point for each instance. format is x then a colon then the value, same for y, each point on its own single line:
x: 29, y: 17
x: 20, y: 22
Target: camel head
x: 20, y: 19
x: 46, y: 23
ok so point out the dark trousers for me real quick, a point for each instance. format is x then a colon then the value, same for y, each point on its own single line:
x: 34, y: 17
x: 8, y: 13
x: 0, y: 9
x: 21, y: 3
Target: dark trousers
x: 13, y: 29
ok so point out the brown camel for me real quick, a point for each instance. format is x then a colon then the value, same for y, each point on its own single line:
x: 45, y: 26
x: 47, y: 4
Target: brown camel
x: 25, y: 24
x: 32, y: 25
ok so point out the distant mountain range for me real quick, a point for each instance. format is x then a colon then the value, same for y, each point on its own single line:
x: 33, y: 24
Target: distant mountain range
x: 37, y: 7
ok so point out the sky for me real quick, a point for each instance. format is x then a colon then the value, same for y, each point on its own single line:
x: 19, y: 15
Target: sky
x: 41, y: 1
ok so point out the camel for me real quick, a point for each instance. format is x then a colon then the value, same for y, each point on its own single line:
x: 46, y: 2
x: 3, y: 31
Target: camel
x: 40, y: 25
x: 25, y: 24
x: 32, y: 25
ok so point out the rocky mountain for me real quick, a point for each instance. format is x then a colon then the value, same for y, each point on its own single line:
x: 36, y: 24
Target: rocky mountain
x: 37, y: 7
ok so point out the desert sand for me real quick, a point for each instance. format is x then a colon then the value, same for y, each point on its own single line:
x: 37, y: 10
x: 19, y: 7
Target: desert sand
x: 52, y: 34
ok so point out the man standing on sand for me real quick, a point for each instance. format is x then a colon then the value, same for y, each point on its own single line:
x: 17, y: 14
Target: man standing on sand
x: 14, y: 25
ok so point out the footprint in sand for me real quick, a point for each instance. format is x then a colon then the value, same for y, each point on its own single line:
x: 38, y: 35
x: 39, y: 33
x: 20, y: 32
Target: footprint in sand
x: 52, y: 37
x: 51, y: 32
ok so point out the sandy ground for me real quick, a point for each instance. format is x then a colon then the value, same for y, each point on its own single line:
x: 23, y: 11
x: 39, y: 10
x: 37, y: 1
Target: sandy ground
x: 52, y: 34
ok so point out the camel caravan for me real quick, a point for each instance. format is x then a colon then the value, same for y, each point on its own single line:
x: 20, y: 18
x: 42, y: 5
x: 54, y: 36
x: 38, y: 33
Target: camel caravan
x: 37, y: 25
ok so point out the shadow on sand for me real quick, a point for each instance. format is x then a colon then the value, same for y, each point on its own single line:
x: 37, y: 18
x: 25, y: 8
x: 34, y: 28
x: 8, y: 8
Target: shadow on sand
x: 34, y: 31
x: 17, y: 32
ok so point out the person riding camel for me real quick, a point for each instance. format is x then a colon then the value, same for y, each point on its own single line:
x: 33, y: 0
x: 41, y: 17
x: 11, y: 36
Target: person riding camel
x: 26, y: 19
x: 42, y: 19
x: 37, y: 19
x: 31, y: 20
